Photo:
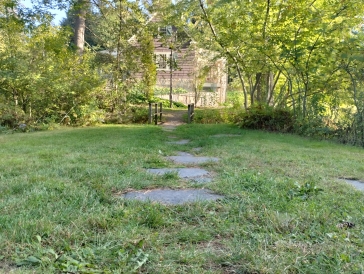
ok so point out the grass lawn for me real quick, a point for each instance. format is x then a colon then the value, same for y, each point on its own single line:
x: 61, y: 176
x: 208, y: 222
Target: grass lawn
x: 60, y: 206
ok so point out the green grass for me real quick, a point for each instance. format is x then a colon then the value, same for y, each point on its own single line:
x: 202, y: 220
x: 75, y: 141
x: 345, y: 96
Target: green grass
x: 60, y: 208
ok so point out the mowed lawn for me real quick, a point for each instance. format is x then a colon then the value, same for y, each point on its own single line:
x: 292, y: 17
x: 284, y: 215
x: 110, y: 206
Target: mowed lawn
x: 61, y: 211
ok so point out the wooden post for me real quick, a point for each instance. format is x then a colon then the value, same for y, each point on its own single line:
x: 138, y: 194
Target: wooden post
x: 160, y: 112
x: 155, y: 113
x: 192, y: 111
x: 150, y: 114
x: 170, y: 78
x: 189, y: 114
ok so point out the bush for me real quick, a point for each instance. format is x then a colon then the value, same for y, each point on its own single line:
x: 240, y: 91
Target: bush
x: 267, y: 118
x: 209, y: 116
x: 165, y: 103
x: 139, y: 115
x: 89, y: 115
x: 164, y: 91
x: 313, y: 127
x: 10, y: 116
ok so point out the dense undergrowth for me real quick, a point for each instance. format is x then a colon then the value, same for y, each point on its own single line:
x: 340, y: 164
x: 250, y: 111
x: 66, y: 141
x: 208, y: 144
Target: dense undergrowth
x: 348, y: 130
x: 285, y: 121
x: 135, y: 111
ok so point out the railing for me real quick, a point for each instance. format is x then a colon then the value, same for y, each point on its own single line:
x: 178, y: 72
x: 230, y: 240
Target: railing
x: 156, y: 113
x: 191, y: 112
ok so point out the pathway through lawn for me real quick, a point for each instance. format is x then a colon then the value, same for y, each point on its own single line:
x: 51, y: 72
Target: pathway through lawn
x: 190, y: 172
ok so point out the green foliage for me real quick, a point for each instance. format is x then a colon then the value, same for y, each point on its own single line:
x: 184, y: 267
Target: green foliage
x: 171, y: 175
x: 165, y: 91
x: 139, y: 114
x: 304, y: 191
x: 315, y: 127
x: 42, y: 76
x: 89, y: 115
x: 149, y: 68
x: 87, y: 259
x: 267, y: 118
x: 152, y: 217
x: 235, y: 99
x: 209, y: 116
x: 10, y: 115
x: 165, y: 103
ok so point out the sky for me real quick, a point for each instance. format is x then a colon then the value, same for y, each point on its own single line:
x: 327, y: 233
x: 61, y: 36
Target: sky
x: 59, y: 14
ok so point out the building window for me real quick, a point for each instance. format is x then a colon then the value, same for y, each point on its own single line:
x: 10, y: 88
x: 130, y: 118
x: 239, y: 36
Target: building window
x: 162, y: 61
x: 165, y: 31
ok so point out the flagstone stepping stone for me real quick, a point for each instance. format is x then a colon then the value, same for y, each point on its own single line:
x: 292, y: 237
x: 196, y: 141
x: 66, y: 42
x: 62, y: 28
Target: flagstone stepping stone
x: 357, y: 184
x: 225, y: 135
x: 181, y: 153
x: 182, y: 172
x: 197, y: 149
x: 186, y: 158
x: 202, y: 180
x: 173, y: 197
x: 180, y: 142
x: 169, y: 128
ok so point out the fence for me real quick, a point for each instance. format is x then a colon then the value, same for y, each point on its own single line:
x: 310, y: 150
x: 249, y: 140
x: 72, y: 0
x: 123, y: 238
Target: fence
x: 156, y: 113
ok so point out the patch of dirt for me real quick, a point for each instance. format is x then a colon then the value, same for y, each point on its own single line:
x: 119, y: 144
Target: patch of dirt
x: 173, y: 117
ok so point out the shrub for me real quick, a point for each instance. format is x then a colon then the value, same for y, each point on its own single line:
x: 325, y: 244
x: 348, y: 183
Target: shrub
x: 313, y: 127
x: 165, y: 103
x: 139, y: 115
x: 164, y: 91
x: 89, y: 115
x: 267, y: 118
x: 209, y: 116
x: 10, y: 116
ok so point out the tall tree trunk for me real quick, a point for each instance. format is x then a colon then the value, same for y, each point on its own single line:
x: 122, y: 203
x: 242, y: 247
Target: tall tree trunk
x: 256, y: 88
x: 80, y: 25
x: 243, y: 86
x: 270, y: 85
x: 259, y: 87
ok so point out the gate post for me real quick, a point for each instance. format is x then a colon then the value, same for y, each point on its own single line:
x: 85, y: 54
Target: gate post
x: 155, y: 113
x: 160, y: 112
x: 150, y: 113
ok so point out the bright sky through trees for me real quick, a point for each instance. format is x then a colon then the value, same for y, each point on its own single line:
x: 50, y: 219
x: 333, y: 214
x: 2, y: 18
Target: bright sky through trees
x: 58, y: 14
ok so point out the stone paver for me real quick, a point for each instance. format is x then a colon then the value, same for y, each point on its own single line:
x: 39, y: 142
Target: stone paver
x: 198, y: 175
x: 357, y: 184
x: 173, y: 197
x: 180, y: 142
x: 186, y: 158
x: 225, y: 135
x: 169, y: 128
x: 201, y: 180
x: 182, y: 172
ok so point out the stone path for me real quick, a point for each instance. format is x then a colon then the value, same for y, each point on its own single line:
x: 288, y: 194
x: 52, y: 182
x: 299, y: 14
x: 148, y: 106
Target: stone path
x: 173, y: 120
x: 173, y: 197
x: 180, y: 142
x: 193, y: 174
x: 189, y: 159
x: 357, y: 184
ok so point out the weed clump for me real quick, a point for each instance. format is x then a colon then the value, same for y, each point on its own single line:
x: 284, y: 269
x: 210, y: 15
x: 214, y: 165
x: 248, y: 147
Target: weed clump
x: 304, y: 191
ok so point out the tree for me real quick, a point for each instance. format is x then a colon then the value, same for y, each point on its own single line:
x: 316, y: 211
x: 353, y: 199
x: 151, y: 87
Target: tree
x: 39, y: 74
x: 291, y: 41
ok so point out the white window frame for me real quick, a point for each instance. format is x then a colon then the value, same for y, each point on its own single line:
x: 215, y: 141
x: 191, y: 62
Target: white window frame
x: 165, y: 31
x: 162, y: 60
